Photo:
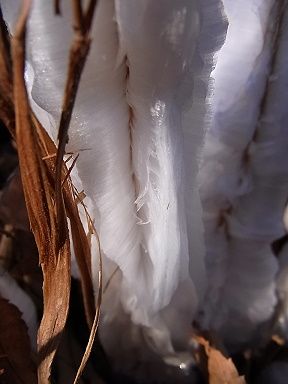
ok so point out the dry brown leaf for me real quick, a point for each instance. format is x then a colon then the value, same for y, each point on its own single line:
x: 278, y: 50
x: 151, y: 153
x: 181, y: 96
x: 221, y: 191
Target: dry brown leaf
x: 78, y: 54
x: 48, y: 153
x: 54, y: 257
x: 38, y: 168
x: 221, y: 369
x: 81, y: 245
x: 16, y: 364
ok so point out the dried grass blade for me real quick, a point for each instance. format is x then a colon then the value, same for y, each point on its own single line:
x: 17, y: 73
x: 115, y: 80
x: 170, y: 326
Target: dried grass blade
x: 39, y: 196
x: 70, y: 169
x: 44, y: 219
x: 81, y: 245
x: 95, y: 322
x: 82, y: 250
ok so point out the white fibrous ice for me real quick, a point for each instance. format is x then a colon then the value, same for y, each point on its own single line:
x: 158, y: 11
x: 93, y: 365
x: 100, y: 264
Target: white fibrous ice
x: 138, y: 126
x: 146, y: 114
x: 244, y: 173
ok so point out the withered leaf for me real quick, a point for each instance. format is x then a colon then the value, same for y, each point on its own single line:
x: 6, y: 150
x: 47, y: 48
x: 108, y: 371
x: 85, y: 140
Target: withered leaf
x: 16, y: 364
x: 39, y: 196
x: 38, y: 167
x: 80, y: 242
x: 221, y: 370
x: 81, y: 246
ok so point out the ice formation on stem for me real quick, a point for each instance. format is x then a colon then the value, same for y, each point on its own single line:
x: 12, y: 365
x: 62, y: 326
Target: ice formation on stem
x: 138, y: 127
x: 146, y: 75
x: 244, y: 173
